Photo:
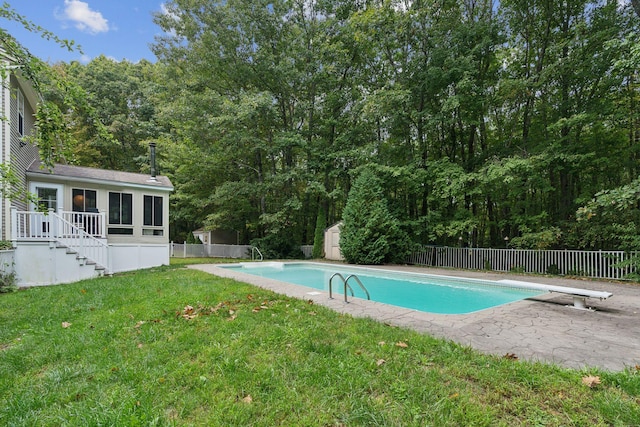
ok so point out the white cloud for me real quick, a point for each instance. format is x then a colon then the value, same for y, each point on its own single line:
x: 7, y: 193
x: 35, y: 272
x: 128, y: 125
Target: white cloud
x: 85, y: 19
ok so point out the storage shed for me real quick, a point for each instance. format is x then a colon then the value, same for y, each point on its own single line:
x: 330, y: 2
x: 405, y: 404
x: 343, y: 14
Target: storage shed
x: 332, y: 243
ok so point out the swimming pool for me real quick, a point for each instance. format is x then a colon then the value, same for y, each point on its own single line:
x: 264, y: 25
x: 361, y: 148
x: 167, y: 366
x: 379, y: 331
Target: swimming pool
x: 423, y: 292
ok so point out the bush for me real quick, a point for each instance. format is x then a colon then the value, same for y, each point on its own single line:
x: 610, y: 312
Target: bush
x: 370, y: 234
x: 8, y: 282
x: 192, y: 240
x: 278, y: 246
x: 553, y: 269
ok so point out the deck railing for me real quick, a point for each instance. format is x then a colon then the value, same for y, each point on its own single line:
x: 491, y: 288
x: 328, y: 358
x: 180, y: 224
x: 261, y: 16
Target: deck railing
x: 92, y: 223
x: 57, y: 229
x: 594, y: 264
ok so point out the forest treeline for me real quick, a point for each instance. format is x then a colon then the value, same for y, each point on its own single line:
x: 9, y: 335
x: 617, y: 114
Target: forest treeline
x: 484, y: 122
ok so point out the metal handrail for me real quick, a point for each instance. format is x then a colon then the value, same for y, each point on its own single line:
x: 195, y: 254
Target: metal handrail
x: 353, y: 276
x: 346, y: 285
x: 253, y: 253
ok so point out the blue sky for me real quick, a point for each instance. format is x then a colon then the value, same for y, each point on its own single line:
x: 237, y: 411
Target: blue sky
x: 118, y: 29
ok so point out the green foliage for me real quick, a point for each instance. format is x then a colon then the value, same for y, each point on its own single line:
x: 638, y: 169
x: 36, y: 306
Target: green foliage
x: 553, y: 269
x: 492, y: 121
x: 318, y: 236
x: 8, y: 13
x: 11, y: 185
x: 611, y: 220
x: 191, y: 239
x: 544, y: 239
x: 8, y: 282
x: 278, y: 246
x: 369, y: 233
x: 111, y: 113
x: 53, y: 138
x: 474, y: 130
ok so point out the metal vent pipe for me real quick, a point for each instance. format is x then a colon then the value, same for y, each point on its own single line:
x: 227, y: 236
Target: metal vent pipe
x: 152, y: 147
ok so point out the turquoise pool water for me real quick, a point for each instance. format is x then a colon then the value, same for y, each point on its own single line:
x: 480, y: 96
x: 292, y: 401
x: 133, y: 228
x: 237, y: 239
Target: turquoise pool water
x: 429, y: 293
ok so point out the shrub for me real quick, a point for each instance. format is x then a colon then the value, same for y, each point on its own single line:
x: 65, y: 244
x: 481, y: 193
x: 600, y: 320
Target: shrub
x: 553, y: 269
x: 193, y: 240
x: 278, y: 246
x: 8, y: 281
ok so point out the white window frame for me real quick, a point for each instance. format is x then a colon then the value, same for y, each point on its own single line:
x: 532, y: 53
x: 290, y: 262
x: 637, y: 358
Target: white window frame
x: 153, y: 229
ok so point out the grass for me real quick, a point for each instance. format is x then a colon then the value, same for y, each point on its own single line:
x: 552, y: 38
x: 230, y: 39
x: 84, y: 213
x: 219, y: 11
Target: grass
x: 128, y: 350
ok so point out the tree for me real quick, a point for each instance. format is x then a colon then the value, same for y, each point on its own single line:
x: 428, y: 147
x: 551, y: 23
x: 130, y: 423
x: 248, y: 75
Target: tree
x: 480, y: 120
x: 369, y: 233
x: 318, y: 239
x: 51, y: 142
x: 124, y: 99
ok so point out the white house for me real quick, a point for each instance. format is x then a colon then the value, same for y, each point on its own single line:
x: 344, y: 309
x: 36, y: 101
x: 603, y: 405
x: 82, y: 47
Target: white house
x: 89, y: 221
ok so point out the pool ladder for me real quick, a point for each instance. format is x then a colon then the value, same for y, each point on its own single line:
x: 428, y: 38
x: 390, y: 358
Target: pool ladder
x: 256, y: 254
x: 347, y: 286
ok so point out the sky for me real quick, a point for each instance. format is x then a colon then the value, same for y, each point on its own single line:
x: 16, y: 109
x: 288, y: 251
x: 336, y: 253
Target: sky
x: 118, y: 29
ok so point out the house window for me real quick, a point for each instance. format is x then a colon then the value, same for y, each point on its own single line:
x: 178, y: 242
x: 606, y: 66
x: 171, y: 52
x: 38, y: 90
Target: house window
x: 120, y: 208
x: 20, y: 119
x: 47, y: 198
x: 152, y: 216
x: 84, y: 200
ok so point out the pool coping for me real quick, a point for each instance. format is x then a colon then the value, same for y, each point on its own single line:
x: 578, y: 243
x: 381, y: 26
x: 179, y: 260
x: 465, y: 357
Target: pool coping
x: 544, y: 328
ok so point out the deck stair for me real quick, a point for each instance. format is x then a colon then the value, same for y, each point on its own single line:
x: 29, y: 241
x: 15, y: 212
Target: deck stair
x: 51, y: 247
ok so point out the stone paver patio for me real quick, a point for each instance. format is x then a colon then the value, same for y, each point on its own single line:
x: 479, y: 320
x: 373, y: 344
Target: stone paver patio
x: 544, y: 328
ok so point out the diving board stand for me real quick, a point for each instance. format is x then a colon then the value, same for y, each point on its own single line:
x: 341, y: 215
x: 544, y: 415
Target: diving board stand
x: 579, y: 295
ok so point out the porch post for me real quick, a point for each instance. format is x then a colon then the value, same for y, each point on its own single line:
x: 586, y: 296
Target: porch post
x: 52, y: 227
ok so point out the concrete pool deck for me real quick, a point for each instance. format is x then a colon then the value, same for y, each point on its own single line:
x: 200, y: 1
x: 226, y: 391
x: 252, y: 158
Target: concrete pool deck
x: 544, y: 328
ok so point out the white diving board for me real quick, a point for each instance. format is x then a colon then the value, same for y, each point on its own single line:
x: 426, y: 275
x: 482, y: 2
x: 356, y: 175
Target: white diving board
x: 579, y: 295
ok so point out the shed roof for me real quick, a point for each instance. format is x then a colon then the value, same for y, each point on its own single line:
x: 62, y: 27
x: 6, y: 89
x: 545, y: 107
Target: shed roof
x: 79, y: 173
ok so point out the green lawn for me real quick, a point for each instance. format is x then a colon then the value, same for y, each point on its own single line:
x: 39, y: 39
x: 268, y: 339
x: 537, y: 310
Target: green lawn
x: 171, y: 346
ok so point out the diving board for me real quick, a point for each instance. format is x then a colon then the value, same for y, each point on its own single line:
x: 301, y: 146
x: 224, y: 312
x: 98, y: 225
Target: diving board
x: 579, y: 295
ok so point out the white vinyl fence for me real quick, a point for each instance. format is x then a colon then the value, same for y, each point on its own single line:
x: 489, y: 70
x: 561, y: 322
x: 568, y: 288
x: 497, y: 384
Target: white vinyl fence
x: 188, y: 250
x: 595, y: 264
